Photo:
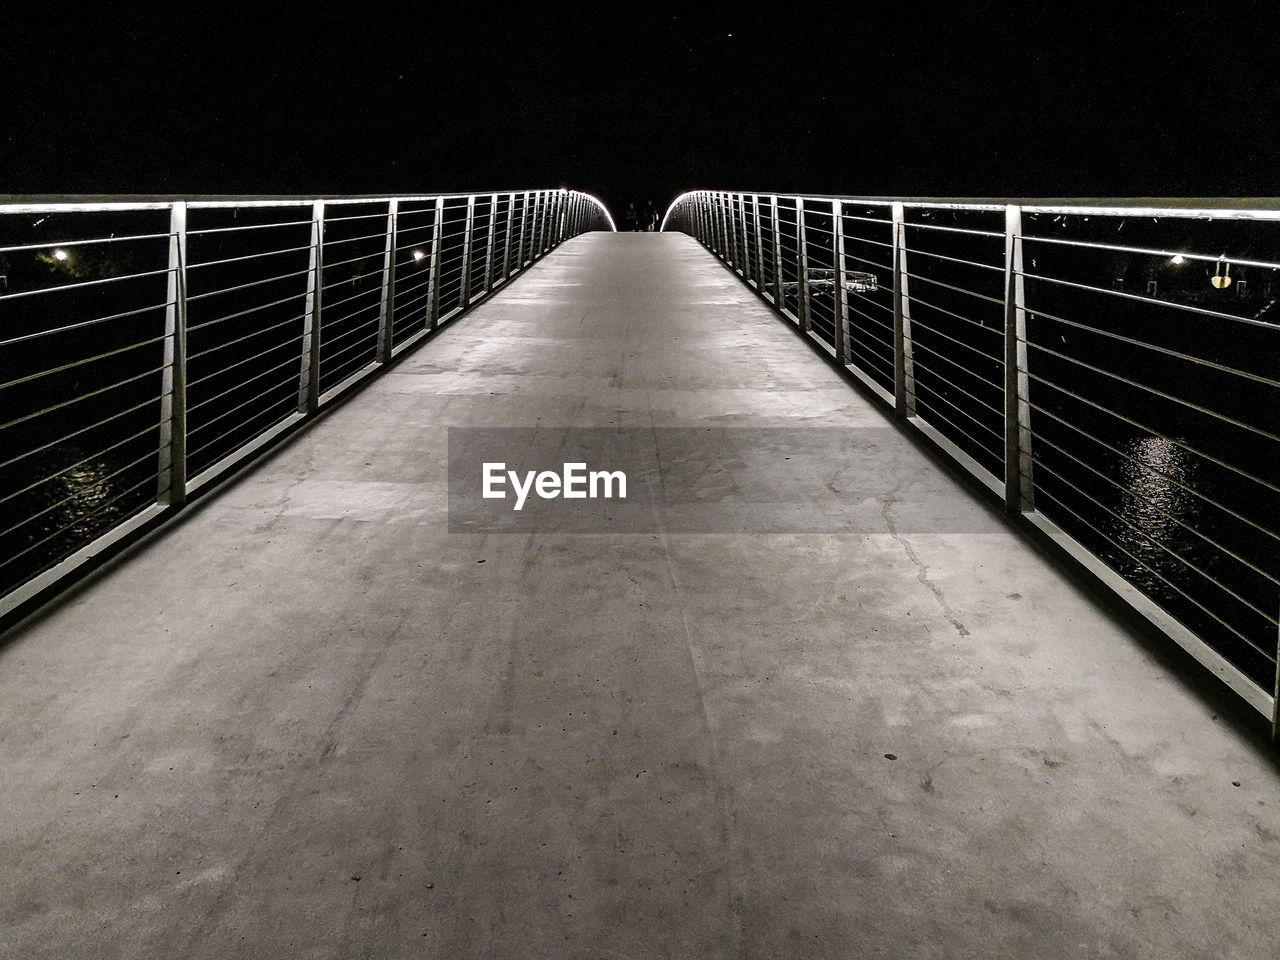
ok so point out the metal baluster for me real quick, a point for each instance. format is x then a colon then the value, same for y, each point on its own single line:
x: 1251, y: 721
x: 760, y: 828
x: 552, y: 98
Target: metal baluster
x: 309, y: 385
x: 464, y: 295
x: 746, y: 240
x: 778, y: 300
x: 840, y: 318
x: 506, y: 240
x: 387, y: 311
x: 489, y: 241
x: 732, y: 223
x: 904, y: 372
x: 1275, y: 697
x: 1019, y: 489
x: 433, y: 281
x: 535, y: 250
x: 171, y: 478
x: 759, y: 245
x: 802, y: 267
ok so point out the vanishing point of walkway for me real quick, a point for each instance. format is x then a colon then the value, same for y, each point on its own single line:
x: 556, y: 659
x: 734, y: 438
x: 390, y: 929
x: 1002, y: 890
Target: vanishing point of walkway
x: 308, y: 721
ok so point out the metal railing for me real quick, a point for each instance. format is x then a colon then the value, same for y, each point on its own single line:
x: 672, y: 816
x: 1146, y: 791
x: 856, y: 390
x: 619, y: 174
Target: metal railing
x: 1109, y: 369
x: 148, y: 345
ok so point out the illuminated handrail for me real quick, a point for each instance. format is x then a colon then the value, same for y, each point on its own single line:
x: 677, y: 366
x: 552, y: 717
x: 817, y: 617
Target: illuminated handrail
x: 153, y: 343
x: 1085, y: 360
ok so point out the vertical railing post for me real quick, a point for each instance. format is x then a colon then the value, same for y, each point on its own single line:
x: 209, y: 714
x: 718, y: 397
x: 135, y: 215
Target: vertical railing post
x: 433, y: 279
x: 720, y: 233
x: 778, y: 300
x: 840, y: 318
x: 309, y: 382
x: 528, y: 239
x: 759, y: 243
x: 506, y: 239
x: 544, y: 234
x: 726, y: 228
x: 535, y: 227
x: 1275, y: 697
x: 171, y: 475
x: 733, y: 234
x: 524, y: 226
x: 489, y: 242
x: 802, y: 268
x: 549, y: 229
x: 539, y: 202
x: 704, y: 218
x: 904, y: 372
x: 387, y: 309
x: 1019, y: 490
x: 468, y: 245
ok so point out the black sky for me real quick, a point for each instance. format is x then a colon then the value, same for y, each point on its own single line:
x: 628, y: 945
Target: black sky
x: 641, y: 102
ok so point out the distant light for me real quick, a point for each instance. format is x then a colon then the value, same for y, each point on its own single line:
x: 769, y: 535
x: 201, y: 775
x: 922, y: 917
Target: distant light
x: 418, y: 255
x: 1178, y: 259
x: 60, y: 255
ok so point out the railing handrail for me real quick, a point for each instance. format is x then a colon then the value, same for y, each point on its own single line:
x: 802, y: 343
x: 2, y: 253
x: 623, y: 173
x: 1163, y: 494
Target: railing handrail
x: 1247, y: 208
x: 84, y: 203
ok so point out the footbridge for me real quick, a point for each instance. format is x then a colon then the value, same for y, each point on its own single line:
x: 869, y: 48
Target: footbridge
x: 934, y: 613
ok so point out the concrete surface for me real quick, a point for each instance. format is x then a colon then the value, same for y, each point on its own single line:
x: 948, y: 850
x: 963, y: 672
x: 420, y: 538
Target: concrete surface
x: 309, y: 722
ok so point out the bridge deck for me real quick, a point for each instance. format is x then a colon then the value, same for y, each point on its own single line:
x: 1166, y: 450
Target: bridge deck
x: 308, y: 721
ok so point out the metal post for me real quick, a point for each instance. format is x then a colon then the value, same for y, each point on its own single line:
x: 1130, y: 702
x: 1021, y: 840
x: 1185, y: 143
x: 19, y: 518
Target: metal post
x: 506, y: 240
x: 549, y: 222
x: 1019, y: 491
x: 171, y: 476
x: 309, y: 383
x: 1275, y: 697
x: 904, y: 371
x: 840, y: 310
x: 722, y: 233
x: 746, y: 239
x: 539, y: 223
x: 802, y: 267
x: 433, y: 281
x: 530, y: 209
x: 532, y: 252
x: 759, y: 245
x: 524, y: 221
x: 387, y: 312
x: 777, y: 252
x: 726, y: 249
x: 489, y: 241
x: 464, y: 295
x: 733, y: 234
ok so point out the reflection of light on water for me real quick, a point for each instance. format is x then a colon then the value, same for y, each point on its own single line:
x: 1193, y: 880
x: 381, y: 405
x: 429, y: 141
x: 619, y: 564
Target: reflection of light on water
x: 82, y: 496
x: 1154, y: 477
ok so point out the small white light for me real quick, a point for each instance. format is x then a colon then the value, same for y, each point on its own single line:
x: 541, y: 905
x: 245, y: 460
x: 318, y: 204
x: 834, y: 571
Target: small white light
x: 1178, y: 259
x: 418, y: 255
x: 60, y: 255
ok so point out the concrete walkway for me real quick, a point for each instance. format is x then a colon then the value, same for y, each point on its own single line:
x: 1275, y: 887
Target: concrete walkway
x: 308, y: 721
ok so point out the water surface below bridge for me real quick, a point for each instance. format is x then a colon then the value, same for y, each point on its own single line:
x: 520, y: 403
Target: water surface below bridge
x: 313, y: 718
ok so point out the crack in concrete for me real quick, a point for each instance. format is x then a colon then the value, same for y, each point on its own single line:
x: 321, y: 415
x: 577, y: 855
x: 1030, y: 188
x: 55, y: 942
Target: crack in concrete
x: 922, y: 569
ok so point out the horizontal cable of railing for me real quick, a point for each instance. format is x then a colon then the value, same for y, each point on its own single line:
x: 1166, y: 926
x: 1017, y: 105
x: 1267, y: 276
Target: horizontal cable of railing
x: 150, y: 344
x: 1108, y: 367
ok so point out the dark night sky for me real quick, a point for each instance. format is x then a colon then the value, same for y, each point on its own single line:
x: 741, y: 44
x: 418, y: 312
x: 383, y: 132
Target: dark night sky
x: 642, y: 101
